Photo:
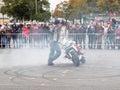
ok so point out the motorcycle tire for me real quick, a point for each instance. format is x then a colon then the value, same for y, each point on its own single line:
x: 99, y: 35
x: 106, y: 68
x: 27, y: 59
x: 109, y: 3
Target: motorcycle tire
x: 83, y: 60
x: 75, y: 58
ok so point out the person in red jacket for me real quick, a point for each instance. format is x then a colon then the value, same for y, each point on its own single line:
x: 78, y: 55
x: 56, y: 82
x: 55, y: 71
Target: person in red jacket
x: 100, y: 31
x: 25, y: 33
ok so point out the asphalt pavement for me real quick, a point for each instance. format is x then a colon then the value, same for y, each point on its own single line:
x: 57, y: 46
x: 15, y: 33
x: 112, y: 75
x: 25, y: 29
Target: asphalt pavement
x: 27, y: 69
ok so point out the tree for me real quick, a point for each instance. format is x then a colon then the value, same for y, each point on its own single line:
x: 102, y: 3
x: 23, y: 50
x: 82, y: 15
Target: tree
x: 60, y: 9
x: 70, y: 9
x: 3, y: 11
x: 20, y: 10
x: 26, y: 9
x: 79, y: 7
x: 108, y: 5
x: 43, y: 11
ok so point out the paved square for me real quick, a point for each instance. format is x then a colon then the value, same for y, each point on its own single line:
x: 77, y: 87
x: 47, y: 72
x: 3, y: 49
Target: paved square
x: 26, y: 69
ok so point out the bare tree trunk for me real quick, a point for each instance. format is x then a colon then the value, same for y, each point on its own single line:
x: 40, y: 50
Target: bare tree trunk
x: 3, y: 17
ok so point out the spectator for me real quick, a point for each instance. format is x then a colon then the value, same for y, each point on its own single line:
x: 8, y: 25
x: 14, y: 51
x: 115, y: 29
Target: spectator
x: 82, y: 36
x: 72, y: 33
x: 105, y: 35
x: 8, y: 36
x: 92, y: 35
x: 100, y: 30
x: 117, y: 32
x: 111, y: 37
x: 25, y: 33
x: 15, y: 35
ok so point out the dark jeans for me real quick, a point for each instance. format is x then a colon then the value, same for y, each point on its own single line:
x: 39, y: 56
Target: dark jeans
x: 8, y: 42
x: 55, y: 51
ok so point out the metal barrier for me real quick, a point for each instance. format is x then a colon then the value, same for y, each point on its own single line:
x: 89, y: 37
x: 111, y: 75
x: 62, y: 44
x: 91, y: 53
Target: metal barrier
x: 96, y: 40
x: 18, y: 40
x: 42, y: 40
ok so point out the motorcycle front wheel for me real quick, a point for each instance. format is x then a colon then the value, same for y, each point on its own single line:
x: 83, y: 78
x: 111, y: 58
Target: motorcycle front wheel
x: 75, y: 58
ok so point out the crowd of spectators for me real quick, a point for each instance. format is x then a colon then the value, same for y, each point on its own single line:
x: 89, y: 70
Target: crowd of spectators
x: 24, y: 35
x: 93, y: 35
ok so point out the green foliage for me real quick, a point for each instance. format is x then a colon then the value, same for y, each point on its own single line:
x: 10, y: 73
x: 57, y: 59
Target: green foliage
x: 3, y: 10
x: 42, y: 16
x: 26, y: 9
x: 108, y: 5
x: 73, y: 9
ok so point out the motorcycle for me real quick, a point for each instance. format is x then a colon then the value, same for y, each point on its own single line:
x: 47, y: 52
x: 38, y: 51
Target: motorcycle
x: 73, y: 52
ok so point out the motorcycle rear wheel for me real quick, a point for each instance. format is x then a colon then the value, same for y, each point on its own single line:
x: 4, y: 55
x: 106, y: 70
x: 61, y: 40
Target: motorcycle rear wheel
x: 75, y: 58
x: 83, y: 60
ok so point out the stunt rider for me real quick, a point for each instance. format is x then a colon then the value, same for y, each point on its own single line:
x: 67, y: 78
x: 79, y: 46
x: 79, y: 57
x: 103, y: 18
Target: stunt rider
x: 55, y: 50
